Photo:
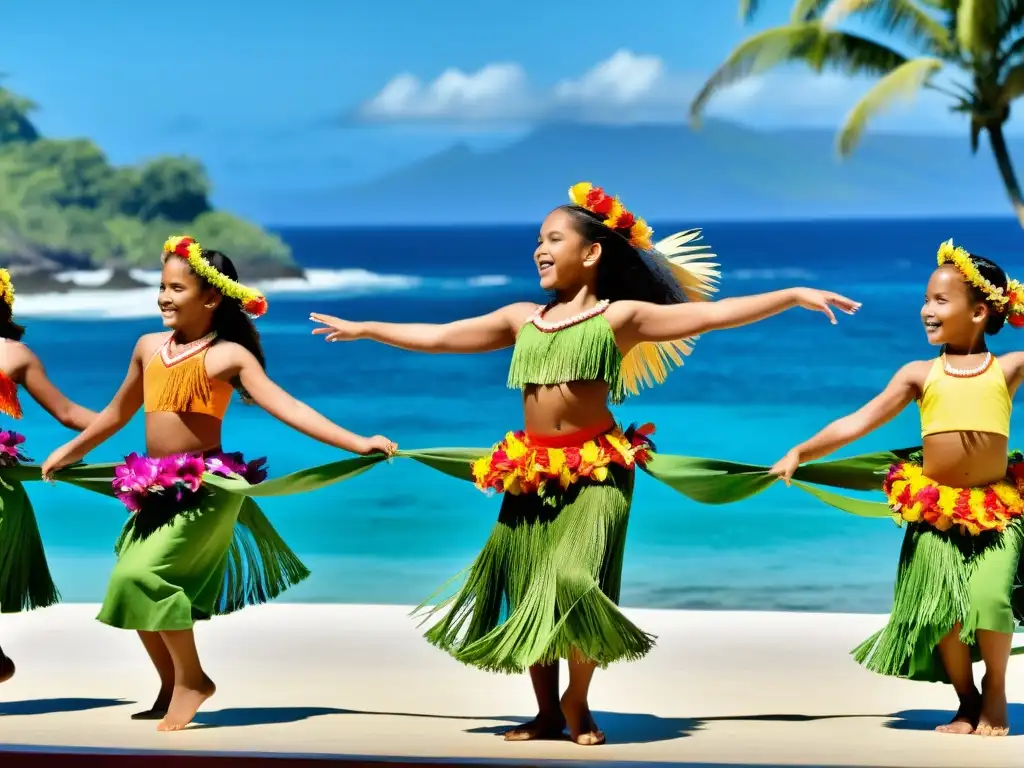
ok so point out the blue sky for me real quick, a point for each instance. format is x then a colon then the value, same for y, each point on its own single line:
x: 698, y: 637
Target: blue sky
x: 282, y: 100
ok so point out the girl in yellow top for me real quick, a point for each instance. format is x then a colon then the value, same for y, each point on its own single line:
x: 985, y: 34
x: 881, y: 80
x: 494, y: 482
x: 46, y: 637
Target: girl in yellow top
x: 961, y: 497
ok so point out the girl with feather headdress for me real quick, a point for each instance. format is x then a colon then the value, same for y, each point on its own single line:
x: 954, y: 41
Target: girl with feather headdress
x: 545, y: 587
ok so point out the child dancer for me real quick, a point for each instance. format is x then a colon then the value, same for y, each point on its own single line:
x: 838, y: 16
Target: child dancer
x: 546, y: 585
x: 173, y: 562
x: 25, y: 581
x: 961, y: 497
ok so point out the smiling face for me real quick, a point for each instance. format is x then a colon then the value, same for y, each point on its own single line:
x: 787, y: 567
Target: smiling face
x: 183, y: 302
x: 951, y: 314
x: 565, y: 261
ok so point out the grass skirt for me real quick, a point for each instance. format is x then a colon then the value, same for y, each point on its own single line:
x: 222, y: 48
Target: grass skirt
x: 945, y: 578
x: 546, y: 585
x: 25, y: 581
x: 216, y: 555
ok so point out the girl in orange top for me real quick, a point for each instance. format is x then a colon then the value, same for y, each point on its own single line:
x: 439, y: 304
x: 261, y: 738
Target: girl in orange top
x: 26, y: 581
x: 961, y: 497
x: 179, y: 557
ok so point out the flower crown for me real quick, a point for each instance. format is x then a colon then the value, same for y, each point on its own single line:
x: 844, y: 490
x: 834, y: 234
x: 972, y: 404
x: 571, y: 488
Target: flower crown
x: 252, y: 301
x: 6, y: 288
x: 1010, y: 301
x: 615, y: 216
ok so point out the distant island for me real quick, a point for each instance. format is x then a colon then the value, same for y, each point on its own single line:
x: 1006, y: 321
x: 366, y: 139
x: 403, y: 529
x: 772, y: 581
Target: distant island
x: 64, y: 206
x: 668, y: 172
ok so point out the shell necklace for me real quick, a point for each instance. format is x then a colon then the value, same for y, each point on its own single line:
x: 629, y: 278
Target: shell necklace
x: 543, y: 325
x: 184, y: 350
x: 966, y: 373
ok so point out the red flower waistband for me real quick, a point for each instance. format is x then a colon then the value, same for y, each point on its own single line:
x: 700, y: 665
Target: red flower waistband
x: 524, y: 463
x: 913, y: 497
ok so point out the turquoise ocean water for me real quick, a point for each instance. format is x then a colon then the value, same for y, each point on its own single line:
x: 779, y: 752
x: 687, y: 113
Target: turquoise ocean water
x: 394, y: 534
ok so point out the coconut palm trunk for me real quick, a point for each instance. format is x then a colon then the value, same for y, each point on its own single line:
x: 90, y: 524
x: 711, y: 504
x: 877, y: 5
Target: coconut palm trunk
x: 1002, y: 155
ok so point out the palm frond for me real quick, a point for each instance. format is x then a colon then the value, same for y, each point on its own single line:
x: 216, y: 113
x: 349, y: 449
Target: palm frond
x: 810, y: 43
x: 977, y: 27
x: 902, y: 83
x: 1012, y: 86
x: 895, y: 17
x: 748, y: 10
x: 807, y: 10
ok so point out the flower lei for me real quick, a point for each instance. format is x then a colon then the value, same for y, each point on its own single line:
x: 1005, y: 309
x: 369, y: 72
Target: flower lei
x: 253, y: 302
x: 143, y: 481
x: 616, y: 217
x: 1012, y: 299
x: 6, y: 288
x: 10, y: 453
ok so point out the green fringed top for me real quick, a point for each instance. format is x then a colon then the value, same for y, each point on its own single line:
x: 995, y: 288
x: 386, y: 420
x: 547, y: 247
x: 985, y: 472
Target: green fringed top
x: 579, y: 348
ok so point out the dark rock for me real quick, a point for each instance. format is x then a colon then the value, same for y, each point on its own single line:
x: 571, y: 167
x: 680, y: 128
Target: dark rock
x: 38, y: 281
x: 122, y: 280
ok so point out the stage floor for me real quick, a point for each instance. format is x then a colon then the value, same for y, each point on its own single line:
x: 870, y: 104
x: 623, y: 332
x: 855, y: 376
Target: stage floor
x: 359, y: 683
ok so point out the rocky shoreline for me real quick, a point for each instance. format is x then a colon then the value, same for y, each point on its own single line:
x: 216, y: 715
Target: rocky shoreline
x: 35, y: 281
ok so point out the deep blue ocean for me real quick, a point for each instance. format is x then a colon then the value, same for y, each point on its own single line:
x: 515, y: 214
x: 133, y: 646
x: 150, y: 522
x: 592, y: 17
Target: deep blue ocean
x: 395, y: 533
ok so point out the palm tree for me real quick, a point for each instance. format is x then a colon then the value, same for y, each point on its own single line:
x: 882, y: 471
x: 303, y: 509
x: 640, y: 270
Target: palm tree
x: 971, y: 51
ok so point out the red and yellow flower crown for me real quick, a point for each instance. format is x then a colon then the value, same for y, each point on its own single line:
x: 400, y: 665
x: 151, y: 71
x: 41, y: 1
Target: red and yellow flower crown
x: 253, y: 302
x: 1010, y: 301
x: 615, y: 216
x: 6, y: 288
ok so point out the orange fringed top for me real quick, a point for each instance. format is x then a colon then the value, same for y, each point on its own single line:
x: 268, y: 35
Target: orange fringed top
x: 180, y: 384
x: 9, y: 403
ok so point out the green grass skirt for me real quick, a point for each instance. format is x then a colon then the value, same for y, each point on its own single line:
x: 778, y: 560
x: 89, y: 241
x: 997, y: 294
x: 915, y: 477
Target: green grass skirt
x: 25, y: 581
x: 213, y: 558
x: 546, y: 585
x: 945, y: 579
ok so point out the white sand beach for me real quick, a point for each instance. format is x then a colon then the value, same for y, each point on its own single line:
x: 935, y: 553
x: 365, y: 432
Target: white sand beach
x: 358, y: 681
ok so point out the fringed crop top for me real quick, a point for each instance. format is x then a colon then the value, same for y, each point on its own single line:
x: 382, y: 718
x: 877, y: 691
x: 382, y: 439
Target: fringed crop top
x: 579, y: 348
x: 9, y: 403
x: 965, y: 401
x: 180, y: 384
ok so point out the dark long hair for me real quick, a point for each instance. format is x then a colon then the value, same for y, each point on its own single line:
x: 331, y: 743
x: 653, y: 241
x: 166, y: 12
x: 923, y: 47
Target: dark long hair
x: 230, y: 322
x: 8, y: 328
x: 624, y: 272
x: 995, y: 275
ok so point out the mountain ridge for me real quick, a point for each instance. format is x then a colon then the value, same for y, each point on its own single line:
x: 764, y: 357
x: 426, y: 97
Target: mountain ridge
x: 723, y: 170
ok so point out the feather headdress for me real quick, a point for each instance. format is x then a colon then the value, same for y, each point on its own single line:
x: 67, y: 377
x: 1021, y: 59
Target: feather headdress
x: 679, y: 260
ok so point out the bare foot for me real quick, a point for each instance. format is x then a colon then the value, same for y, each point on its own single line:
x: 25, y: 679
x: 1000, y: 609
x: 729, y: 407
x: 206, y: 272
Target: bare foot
x: 185, y: 702
x: 542, y: 727
x: 966, y: 718
x: 582, y: 728
x: 7, y: 669
x: 994, y: 720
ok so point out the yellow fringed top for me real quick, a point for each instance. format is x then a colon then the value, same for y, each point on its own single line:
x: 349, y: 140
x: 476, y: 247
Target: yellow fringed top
x: 180, y: 384
x: 975, y: 403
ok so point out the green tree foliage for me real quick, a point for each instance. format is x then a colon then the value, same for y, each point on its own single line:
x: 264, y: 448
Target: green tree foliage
x: 63, y: 201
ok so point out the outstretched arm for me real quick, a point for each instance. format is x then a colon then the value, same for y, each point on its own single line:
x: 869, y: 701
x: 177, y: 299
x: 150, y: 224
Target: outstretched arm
x: 295, y: 413
x: 642, y: 321
x: 486, y: 333
x: 119, y: 411
x: 43, y: 391
x: 900, y: 392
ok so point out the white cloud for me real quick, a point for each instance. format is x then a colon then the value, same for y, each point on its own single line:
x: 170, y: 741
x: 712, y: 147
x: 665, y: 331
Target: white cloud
x: 491, y: 93
x: 622, y: 79
x: 633, y: 88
